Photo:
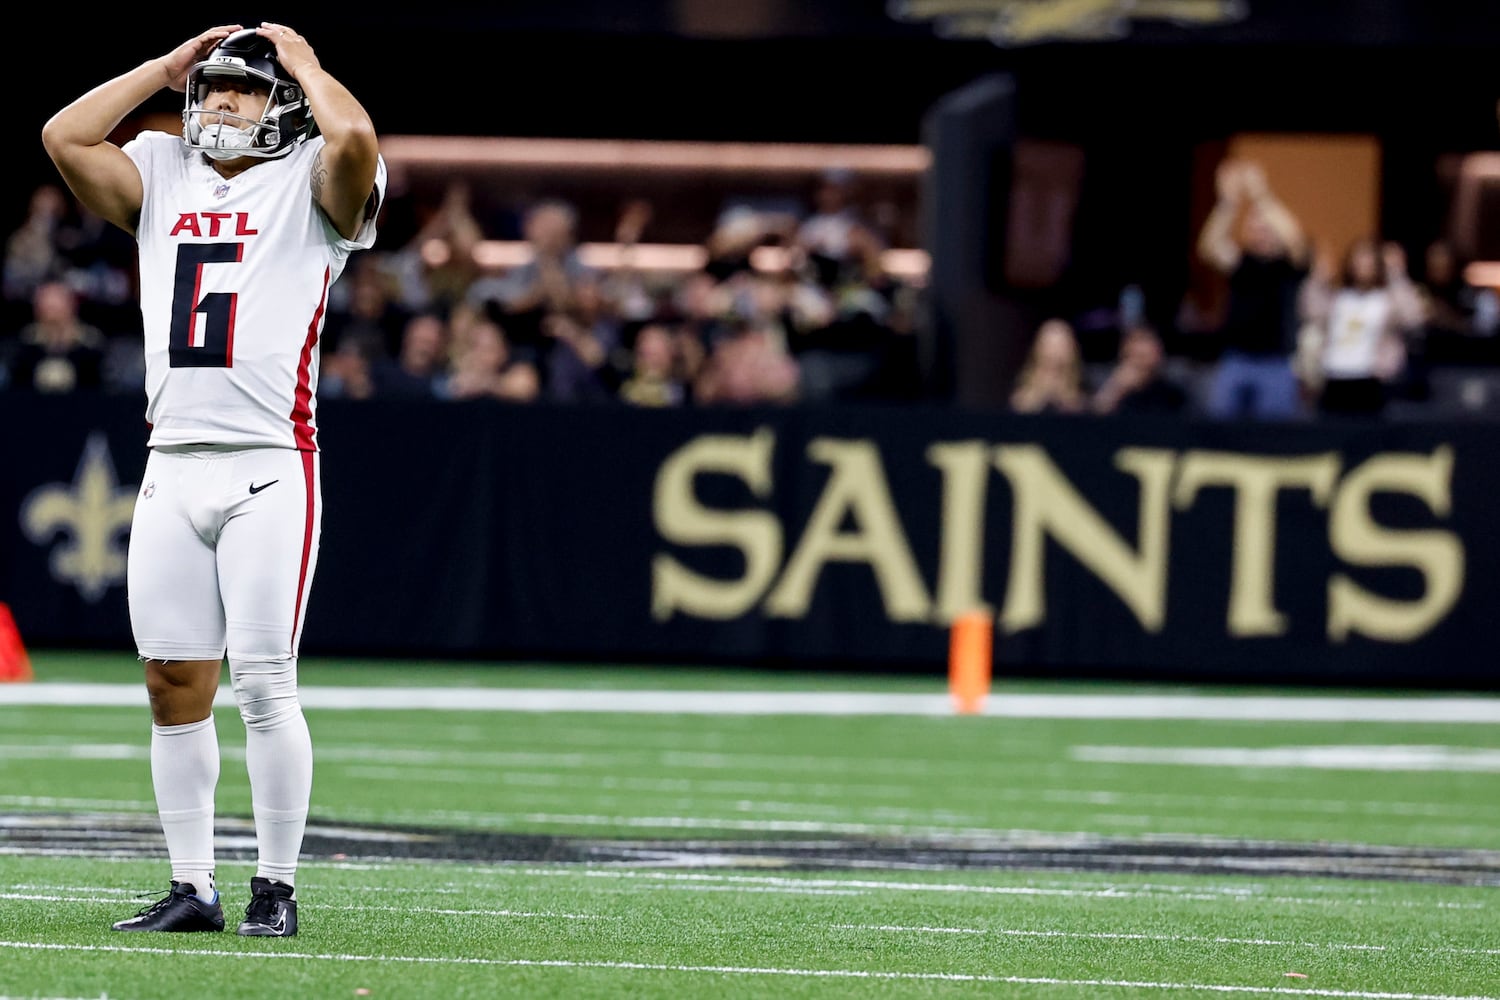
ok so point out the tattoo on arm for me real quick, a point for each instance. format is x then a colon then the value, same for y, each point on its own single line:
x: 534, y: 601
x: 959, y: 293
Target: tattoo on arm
x: 319, y: 177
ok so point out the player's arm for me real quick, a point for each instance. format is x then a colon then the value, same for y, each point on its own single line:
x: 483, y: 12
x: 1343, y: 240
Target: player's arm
x: 343, y: 178
x: 98, y: 172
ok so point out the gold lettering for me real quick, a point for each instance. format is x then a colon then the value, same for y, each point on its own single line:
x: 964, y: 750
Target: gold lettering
x: 965, y: 467
x: 680, y: 518
x: 1047, y: 505
x: 1257, y: 481
x: 857, y: 489
x: 1358, y: 540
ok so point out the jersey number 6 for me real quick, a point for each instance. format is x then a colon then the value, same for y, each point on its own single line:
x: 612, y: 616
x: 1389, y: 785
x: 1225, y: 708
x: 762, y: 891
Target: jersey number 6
x: 202, y: 334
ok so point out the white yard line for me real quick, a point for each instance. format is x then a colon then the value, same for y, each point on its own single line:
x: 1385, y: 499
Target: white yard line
x: 1170, y: 938
x: 793, y: 885
x: 718, y: 882
x: 1262, y: 708
x: 733, y: 970
x: 1344, y: 757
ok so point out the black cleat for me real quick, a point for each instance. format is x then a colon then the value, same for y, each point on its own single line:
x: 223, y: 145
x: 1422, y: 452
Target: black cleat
x: 180, y: 910
x: 272, y: 911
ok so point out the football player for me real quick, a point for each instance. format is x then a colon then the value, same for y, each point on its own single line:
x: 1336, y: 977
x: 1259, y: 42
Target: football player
x: 242, y: 222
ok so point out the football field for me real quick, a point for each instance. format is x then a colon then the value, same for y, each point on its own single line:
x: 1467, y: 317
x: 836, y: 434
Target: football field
x: 514, y: 830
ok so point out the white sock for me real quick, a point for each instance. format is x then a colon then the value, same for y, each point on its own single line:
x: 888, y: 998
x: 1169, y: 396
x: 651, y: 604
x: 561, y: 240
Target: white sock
x: 279, y: 758
x: 185, y: 772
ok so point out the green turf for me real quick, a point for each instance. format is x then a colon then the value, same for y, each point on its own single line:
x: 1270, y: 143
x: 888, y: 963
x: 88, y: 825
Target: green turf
x: 445, y: 930
x: 402, y: 928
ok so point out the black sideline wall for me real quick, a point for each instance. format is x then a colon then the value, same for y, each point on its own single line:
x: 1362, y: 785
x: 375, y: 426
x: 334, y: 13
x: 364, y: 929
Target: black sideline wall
x: 842, y: 538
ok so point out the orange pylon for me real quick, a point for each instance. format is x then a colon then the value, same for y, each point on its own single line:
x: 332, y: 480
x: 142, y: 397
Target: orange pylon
x: 970, y: 648
x: 15, y: 665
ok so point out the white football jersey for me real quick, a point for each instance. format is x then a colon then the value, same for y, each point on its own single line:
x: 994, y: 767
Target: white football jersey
x: 234, y: 279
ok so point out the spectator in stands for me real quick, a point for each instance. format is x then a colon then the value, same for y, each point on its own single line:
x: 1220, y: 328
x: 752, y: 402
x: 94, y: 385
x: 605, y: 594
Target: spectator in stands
x: 738, y: 232
x: 1051, y: 379
x: 463, y: 316
x: 578, y: 345
x: 369, y: 311
x: 435, y: 268
x: 701, y: 304
x: 1451, y: 305
x: 689, y: 354
x: 1265, y: 262
x: 632, y: 296
x: 102, y: 270
x: 748, y: 366
x: 827, y: 234
x: 347, y: 372
x: 33, y: 254
x: 415, y: 370
x: 484, y: 365
x: 57, y: 352
x: 1360, y: 316
x: 61, y: 240
x: 654, y: 378
x: 551, y: 280
x: 884, y: 307
x: 852, y: 339
x: 1139, y: 381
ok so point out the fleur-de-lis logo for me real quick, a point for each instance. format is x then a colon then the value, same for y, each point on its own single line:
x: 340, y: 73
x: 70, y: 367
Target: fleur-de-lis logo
x: 91, y: 513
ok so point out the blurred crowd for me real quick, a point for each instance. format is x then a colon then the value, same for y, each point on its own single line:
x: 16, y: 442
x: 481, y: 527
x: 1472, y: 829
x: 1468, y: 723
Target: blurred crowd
x: 779, y: 307
x: 1303, y: 331
x: 422, y: 315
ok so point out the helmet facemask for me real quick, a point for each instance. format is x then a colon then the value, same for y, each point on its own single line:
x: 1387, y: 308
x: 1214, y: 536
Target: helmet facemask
x: 247, y: 59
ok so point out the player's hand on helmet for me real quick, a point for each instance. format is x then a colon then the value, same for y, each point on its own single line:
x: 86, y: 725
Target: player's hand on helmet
x: 182, y: 59
x: 292, y: 50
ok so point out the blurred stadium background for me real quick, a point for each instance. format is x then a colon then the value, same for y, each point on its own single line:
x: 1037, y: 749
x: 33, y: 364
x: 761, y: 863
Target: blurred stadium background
x: 1029, y: 158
